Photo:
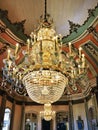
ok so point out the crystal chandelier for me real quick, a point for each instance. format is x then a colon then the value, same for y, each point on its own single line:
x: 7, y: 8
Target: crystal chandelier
x: 45, y: 71
x: 47, y: 114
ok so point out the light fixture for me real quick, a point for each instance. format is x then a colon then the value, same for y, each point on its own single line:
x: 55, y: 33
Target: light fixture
x: 47, y: 114
x: 45, y: 71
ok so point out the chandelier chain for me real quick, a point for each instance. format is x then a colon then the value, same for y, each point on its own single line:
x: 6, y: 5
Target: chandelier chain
x: 45, y: 13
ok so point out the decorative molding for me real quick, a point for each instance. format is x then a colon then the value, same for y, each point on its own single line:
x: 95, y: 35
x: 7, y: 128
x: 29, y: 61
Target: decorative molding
x: 91, y: 49
x: 4, y: 14
x: 93, y: 30
x: 73, y: 27
x: 20, y: 26
x: 92, y: 14
x: 17, y: 28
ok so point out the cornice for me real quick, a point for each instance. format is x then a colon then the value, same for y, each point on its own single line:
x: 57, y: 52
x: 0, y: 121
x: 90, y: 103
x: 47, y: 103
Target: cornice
x: 76, y: 30
x: 17, y: 28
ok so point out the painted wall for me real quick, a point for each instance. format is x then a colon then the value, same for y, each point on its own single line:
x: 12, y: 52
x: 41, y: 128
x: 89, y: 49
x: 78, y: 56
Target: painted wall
x: 17, y: 117
x: 79, y: 110
x: 9, y: 104
x: 90, y: 103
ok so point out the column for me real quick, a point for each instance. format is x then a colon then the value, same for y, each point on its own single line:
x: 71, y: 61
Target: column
x: 71, y: 118
x: 54, y: 122
x: 86, y: 111
x: 2, y: 110
x: 22, y: 125
x: 94, y: 100
x: 12, y: 115
x: 39, y: 122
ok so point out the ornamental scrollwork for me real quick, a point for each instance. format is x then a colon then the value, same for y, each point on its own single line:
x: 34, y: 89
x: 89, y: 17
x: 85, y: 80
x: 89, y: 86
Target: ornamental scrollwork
x: 73, y: 26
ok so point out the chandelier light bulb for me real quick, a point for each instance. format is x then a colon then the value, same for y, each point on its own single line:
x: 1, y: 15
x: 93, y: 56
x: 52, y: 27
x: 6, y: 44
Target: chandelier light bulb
x: 80, y: 49
x: 70, y: 48
x: 8, y: 55
x: 17, y: 47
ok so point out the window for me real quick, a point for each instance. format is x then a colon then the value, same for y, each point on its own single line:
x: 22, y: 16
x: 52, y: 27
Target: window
x: 6, y: 122
x: 31, y: 121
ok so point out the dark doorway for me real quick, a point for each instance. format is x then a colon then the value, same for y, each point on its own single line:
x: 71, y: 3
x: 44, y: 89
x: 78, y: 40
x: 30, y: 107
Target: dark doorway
x: 61, y: 126
x: 45, y: 125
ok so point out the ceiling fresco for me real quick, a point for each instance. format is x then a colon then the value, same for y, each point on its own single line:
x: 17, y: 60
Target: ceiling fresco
x: 62, y: 12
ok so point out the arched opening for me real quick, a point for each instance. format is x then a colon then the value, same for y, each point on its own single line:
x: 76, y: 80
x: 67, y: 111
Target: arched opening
x: 46, y: 125
x: 31, y: 121
x: 6, y: 121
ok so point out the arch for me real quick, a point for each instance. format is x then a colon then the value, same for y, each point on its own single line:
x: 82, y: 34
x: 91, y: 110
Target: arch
x: 7, y: 118
x: 47, y: 125
x: 31, y: 120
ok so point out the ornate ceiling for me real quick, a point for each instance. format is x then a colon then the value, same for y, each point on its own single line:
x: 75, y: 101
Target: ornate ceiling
x: 60, y: 10
x: 78, y: 23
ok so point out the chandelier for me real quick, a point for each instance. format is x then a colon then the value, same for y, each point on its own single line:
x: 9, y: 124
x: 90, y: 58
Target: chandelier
x: 47, y: 114
x: 45, y: 71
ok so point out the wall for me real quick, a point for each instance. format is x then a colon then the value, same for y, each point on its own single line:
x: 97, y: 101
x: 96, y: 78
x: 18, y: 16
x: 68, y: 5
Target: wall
x: 17, y: 117
x: 79, y: 110
x: 9, y: 104
x: 90, y: 103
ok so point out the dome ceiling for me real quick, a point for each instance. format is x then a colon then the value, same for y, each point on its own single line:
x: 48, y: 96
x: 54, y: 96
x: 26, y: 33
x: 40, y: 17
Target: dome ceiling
x: 60, y: 10
x: 72, y: 20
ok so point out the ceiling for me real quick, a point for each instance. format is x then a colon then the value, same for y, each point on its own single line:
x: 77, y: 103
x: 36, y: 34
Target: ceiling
x: 60, y: 10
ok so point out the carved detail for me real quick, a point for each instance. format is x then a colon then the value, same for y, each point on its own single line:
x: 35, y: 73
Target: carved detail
x: 91, y: 12
x: 91, y: 29
x: 91, y: 49
x: 73, y: 27
x: 20, y: 25
x: 3, y: 13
